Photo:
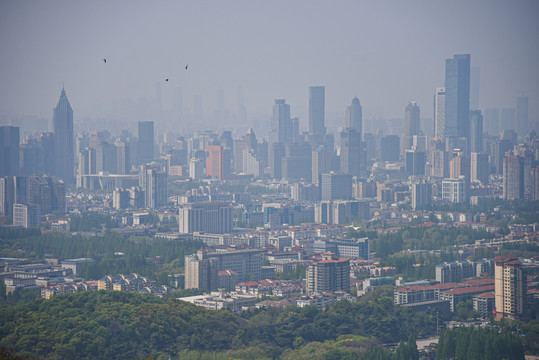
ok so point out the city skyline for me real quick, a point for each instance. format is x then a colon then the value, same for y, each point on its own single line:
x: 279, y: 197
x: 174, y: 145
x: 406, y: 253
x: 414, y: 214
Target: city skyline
x: 240, y: 64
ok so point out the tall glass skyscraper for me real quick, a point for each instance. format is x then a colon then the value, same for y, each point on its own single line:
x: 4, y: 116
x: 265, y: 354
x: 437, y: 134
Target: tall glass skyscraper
x: 354, y: 116
x: 316, y: 109
x: 145, y: 142
x: 281, y: 124
x: 63, y: 139
x: 457, y: 96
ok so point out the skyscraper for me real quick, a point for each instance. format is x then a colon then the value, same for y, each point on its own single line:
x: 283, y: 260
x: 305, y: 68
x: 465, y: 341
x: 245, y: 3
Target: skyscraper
x: 475, y: 81
x: 281, y: 124
x: 439, y: 112
x: 215, y: 162
x: 63, y: 139
x: 411, y: 124
x: 513, y: 177
x: 153, y: 181
x: 9, y: 150
x: 522, y: 115
x: 390, y: 148
x: 415, y: 162
x: 457, y: 96
x: 316, y: 109
x: 354, y: 116
x: 145, y: 142
x: 476, y: 131
x: 350, y: 152
x: 479, y: 168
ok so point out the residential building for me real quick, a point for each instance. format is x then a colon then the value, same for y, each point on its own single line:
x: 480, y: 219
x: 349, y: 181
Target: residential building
x: 200, y: 271
x: 328, y: 275
x: 513, y: 177
x: 27, y: 215
x: 510, y: 291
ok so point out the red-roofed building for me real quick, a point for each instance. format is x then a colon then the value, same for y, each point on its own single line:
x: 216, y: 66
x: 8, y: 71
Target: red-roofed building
x: 454, y: 296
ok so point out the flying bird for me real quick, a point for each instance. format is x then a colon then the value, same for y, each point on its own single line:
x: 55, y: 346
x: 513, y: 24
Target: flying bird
x: 186, y: 66
x: 166, y: 79
x: 105, y: 61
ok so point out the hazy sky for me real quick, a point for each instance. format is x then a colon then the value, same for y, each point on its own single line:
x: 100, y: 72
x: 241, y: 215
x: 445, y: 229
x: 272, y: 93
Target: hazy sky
x: 383, y: 52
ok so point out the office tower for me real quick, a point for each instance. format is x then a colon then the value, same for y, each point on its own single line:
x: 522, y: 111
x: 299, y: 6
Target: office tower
x: 297, y: 164
x: 492, y: 121
x: 350, y: 152
x: 276, y: 155
x: 513, y: 177
x: 390, y: 148
x: 479, y: 168
x: 252, y: 165
x: 87, y: 166
x: 354, y: 116
x: 317, y: 110
x: 457, y: 96
x: 26, y: 215
x: 146, y: 145
x: 123, y: 156
x: 63, y: 139
x: 535, y: 182
x: 411, y: 124
x: 508, y: 120
x: 509, y: 287
x: 475, y: 76
x: 415, y: 163
x: 48, y: 147
x: 48, y: 191
x: 246, y: 142
x: 215, y: 162
x: 499, y: 150
x: 153, y: 181
x: 213, y: 218
x: 454, y: 190
x: 201, y: 271
x: 13, y: 190
x: 439, y: 112
x: 9, y: 151
x: 328, y: 275
x: 321, y: 163
x: 295, y: 138
x: 31, y: 160
x: 476, y: 131
x: 281, y: 125
x: 421, y: 194
x: 522, y: 115
x: 336, y: 186
x: 196, y: 169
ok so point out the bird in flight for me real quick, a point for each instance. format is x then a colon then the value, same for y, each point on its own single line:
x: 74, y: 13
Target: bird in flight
x: 166, y: 79
x: 186, y: 66
x: 105, y: 61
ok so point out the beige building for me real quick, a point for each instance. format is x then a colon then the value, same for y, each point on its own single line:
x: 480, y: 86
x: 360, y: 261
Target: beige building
x: 510, y: 287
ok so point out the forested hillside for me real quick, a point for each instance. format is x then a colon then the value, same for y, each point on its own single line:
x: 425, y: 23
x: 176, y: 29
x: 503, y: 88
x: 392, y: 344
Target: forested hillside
x: 118, y: 325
